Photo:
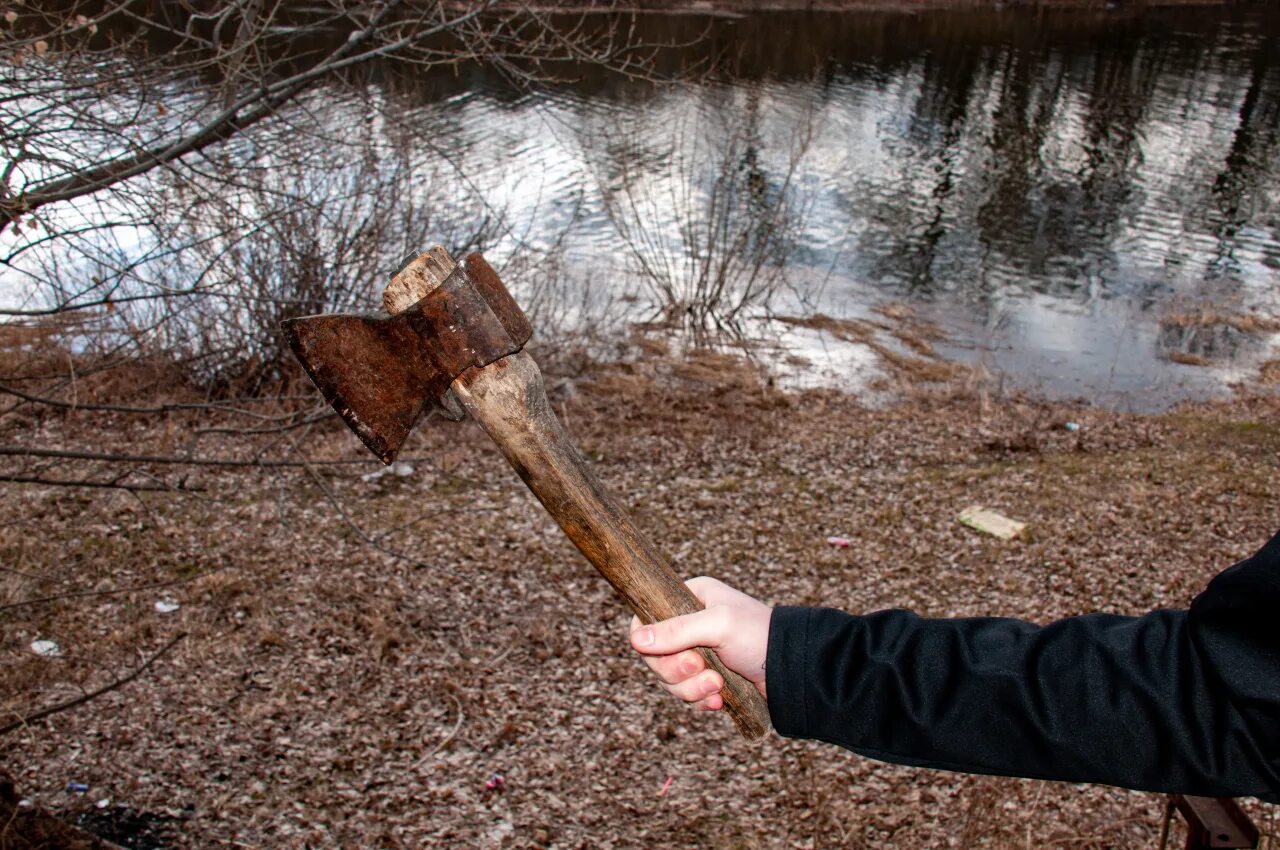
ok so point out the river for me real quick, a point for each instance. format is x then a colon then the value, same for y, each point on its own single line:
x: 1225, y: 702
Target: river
x: 1063, y: 193
x: 1086, y: 203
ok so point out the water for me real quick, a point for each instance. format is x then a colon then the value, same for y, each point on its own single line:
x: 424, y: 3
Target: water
x: 1049, y: 188
x: 1062, y: 192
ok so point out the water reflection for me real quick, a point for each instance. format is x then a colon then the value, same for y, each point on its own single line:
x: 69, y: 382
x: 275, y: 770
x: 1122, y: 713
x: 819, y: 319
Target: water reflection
x: 1045, y: 185
x: 1049, y: 184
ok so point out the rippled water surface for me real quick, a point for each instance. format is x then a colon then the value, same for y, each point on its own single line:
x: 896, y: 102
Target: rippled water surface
x: 1046, y: 187
x: 1065, y: 194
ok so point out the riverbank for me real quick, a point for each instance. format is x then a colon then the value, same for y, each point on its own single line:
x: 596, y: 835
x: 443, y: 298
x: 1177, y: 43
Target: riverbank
x: 364, y: 652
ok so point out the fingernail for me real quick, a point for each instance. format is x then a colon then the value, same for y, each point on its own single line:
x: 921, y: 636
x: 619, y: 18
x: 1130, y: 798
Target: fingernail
x: 644, y: 637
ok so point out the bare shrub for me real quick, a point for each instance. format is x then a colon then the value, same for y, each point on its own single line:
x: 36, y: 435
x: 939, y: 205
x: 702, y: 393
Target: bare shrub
x: 194, y: 177
x: 709, y: 226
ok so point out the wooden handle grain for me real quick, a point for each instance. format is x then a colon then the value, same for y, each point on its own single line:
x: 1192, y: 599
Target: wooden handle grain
x: 508, y: 400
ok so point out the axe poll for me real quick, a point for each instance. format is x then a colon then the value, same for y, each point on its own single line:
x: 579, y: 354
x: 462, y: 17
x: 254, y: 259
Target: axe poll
x: 452, y: 339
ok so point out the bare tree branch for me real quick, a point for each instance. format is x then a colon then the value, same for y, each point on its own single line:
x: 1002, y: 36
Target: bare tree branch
x: 105, y: 485
x: 27, y: 720
x: 84, y: 594
x: 72, y: 454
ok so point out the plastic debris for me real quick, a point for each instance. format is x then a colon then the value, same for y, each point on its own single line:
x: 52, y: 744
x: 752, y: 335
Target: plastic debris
x: 838, y: 542
x: 103, y: 803
x: 46, y: 648
x: 1072, y: 426
x: 166, y: 606
x: 990, y: 522
x: 77, y: 788
x: 496, y: 783
x: 400, y: 469
x: 666, y: 786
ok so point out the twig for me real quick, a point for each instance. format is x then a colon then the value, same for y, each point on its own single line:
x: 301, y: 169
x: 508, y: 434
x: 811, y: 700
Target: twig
x: 81, y: 594
x: 1164, y: 829
x: 111, y: 485
x: 457, y: 704
x: 72, y: 454
x: 221, y: 407
x: 364, y: 535
x: 81, y: 700
x: 443, y: 741
x: 301, y: 423
x: 435, y: 514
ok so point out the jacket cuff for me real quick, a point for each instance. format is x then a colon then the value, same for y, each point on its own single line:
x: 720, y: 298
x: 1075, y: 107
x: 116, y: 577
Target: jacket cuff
x: 786, y: 670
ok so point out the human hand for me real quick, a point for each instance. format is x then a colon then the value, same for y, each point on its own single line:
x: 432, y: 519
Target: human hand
x: 734, y: 626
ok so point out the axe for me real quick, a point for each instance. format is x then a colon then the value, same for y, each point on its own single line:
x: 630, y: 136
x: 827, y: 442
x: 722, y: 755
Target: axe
x: 452, y: 342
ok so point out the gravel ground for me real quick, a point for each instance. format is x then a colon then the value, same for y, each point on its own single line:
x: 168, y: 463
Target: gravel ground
x: 362, y: 657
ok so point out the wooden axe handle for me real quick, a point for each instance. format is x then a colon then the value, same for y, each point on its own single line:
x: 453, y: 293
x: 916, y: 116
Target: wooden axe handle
x: 508, y: 400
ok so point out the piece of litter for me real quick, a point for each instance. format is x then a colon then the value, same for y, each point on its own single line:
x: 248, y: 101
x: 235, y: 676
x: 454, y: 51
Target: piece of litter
x: 1072, y: 426
x: 76, y: 788
x: 990, y: 522
x: 166, y: 606
x: 46, y: 648
x: 400, y: 469
x: 666, y: 786
x: 495, y: 783
x: 103, y: 803
x: 838, y: 542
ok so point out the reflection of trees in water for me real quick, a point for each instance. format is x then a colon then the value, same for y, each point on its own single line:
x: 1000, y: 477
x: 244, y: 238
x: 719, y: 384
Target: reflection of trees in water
x: 1043, y: 220
x: 1027, y: 163
x: 1009, y: 154
x: 1240, y: 188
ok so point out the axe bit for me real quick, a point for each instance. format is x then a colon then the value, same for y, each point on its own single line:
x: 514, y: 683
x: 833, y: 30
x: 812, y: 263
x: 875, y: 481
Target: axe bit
x: 453, y: 337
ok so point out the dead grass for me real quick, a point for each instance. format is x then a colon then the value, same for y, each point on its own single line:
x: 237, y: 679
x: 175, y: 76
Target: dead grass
x: 330, y: 694
x: 906, y: 370
x: 849, y: 330
x: 915, y: 370
x: 1198, y: 335
x: 1187, y: 358
x: 1207, y: 316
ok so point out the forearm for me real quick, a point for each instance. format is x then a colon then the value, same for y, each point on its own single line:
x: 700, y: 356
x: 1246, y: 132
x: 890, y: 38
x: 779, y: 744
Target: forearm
x: 1117, y: 700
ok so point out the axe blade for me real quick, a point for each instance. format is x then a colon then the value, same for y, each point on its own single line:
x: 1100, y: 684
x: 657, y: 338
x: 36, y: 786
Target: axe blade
x: 380, y: 372
x: 358, y: 363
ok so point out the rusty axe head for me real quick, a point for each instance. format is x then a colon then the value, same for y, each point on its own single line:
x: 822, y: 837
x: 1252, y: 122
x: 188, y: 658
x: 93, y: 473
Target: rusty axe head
x: 382, y: 371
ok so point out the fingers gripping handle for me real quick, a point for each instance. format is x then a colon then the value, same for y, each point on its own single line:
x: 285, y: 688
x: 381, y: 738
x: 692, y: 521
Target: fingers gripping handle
x: 742, y: 700
x: 508, y: 400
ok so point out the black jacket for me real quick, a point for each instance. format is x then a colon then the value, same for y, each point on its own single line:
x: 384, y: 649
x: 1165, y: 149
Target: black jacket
x: 1174, y: 701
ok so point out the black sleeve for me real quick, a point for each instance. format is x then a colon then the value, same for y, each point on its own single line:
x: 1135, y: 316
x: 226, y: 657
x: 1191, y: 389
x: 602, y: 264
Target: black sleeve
x: 1174, y: 701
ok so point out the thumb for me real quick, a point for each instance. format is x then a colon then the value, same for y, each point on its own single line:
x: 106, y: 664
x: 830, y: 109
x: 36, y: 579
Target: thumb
x: 701, y: 628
